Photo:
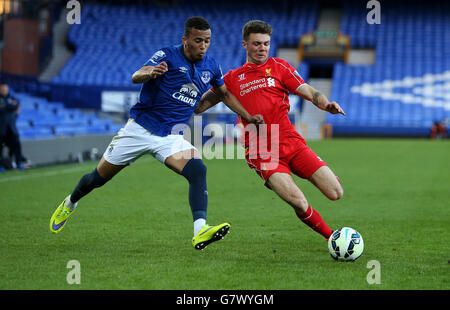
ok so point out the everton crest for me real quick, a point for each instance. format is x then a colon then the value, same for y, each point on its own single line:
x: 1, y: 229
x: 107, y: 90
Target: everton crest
x: 206, y: 77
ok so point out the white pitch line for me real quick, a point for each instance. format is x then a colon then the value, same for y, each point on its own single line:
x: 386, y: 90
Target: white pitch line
x: 57, y: 172
x: 44, y: 174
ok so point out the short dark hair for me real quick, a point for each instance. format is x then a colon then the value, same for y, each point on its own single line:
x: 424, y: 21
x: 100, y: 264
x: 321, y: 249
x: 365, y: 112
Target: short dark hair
x: 255, y: 26
x: 196, y: 22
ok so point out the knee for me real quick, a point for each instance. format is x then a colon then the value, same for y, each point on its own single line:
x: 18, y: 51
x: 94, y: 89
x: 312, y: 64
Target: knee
x: 194, y: 170
x: 335, y: 193
x: 201, y: 171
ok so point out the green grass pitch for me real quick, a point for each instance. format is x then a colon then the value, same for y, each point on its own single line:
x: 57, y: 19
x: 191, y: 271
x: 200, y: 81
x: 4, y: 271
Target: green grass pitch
x: 135, y: 232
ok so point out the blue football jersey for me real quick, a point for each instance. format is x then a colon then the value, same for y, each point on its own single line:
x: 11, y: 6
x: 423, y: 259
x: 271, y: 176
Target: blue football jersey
x: 172, y: 98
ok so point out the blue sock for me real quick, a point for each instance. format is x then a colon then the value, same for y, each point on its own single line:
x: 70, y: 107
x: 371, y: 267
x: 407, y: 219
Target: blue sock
x: 195, y: 173
x: 86, y: 184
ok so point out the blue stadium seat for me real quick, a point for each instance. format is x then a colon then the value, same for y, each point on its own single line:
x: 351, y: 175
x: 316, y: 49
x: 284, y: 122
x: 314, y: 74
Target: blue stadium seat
x: 411, y: 41
x: 117, y: 33
x: 43, y: 119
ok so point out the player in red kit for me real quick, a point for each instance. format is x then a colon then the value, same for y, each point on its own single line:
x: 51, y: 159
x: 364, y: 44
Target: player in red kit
x: 262, y: 85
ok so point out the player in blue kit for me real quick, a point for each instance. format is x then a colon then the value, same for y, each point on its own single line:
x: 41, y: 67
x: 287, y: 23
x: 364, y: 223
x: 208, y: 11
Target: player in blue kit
x: 174, y: 79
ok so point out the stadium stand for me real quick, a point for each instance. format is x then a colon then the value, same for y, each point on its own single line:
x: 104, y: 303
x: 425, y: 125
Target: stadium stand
x: 402, y: 93
x: 407, y: 88
x: 43, y: 119
x: 114, y: 41
x: 111, y: 42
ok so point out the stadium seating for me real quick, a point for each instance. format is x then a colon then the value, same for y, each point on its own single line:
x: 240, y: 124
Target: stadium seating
x: 114, y: 41
x: 41, y: 119
x: 404, y: 92
x: 407, y: 88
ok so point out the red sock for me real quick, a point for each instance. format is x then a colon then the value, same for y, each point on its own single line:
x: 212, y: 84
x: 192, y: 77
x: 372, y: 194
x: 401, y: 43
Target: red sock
x: 313, y: 219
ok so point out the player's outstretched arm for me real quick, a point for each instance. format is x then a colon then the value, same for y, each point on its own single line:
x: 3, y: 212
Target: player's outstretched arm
x: 147, y: 73
x: 233, y: 103
x: 320, y: 100
x: 208, y: 100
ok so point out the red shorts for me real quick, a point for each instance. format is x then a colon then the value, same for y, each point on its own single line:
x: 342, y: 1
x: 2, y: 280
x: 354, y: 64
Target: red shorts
x: 293, y: 155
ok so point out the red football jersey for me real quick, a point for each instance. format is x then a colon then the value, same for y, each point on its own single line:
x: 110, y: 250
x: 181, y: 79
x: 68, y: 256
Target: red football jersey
x: 264, y: 89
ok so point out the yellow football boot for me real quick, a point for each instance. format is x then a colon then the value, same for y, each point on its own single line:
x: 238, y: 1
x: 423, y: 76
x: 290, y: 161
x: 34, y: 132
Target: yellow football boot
x: 59, y: 217
x: 209, y: 234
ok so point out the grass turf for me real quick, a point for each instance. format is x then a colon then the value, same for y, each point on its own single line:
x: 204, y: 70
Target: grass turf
x: 135, y: 232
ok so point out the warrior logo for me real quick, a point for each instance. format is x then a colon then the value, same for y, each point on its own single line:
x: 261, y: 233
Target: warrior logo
x: 188, y: 94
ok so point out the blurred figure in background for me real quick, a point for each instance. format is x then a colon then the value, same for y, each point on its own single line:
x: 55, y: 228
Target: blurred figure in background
x: 438, y: 130
x: 9, y: 135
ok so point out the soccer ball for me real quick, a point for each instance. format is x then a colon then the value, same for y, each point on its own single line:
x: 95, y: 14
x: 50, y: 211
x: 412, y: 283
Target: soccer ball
x: 345, y: 244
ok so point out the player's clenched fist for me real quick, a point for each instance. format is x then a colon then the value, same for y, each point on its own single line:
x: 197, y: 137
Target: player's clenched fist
x: 159, y: 70
x: 256, y: 119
